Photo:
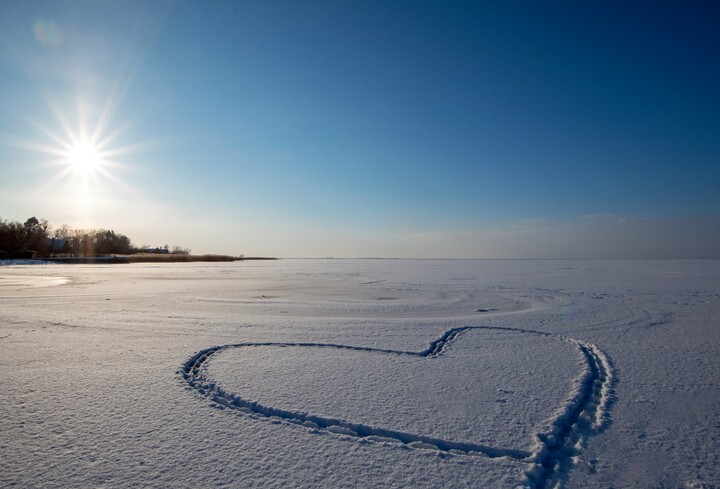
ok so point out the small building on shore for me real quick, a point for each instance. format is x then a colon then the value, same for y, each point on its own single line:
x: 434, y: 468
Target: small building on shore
x: 159, y: 251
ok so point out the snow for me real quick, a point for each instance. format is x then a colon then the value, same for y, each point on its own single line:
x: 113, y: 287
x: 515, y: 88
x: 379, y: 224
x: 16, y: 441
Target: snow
x: 361, y: 373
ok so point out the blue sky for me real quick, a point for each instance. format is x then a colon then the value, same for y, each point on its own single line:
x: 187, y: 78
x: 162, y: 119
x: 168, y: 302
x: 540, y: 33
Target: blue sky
x: 412, y: 129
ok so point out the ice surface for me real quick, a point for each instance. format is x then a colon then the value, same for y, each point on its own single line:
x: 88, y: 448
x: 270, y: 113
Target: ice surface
x: 27, y: 281
x: 584, y: 374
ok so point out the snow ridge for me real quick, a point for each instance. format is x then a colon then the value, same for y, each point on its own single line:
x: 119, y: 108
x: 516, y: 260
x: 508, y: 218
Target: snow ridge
x: 584, y: 414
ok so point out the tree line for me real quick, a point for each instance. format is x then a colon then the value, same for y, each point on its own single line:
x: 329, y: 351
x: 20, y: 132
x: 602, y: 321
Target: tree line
x: 35, y: 238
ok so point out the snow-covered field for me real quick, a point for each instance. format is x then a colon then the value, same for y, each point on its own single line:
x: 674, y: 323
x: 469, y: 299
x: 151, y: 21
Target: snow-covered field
x: 361, y: 373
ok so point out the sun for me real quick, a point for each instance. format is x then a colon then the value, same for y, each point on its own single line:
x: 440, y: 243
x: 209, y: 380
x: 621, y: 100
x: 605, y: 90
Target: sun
x: 84, y: 158
x: 83, y: 151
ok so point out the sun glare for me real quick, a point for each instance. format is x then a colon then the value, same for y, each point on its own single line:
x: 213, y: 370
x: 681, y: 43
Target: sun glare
x: 82, y: 155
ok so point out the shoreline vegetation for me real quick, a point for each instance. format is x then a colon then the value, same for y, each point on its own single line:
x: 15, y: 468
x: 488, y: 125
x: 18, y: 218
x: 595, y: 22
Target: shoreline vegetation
x: 36, y: 240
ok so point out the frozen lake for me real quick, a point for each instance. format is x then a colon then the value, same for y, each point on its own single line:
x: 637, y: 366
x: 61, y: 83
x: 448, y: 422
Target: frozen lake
x: 361, y: 373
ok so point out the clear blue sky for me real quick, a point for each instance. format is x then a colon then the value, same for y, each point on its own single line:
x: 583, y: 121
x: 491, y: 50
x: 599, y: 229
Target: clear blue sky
x: 416, y: 129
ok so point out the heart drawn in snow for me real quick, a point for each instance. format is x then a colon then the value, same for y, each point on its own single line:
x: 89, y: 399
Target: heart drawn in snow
x: 566, y: 418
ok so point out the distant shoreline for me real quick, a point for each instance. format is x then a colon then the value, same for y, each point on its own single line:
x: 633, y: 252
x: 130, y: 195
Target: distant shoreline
x: 148, y: 258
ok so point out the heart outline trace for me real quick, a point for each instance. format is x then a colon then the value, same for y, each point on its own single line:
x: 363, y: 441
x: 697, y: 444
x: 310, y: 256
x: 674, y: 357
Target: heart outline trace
x: 585, y: 413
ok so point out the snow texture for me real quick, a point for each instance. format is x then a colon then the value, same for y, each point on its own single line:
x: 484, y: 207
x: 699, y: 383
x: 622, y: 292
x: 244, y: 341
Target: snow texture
x: 361, y: 373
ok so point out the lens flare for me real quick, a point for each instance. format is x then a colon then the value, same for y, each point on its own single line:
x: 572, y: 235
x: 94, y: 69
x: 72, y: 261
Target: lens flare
x: 48, y: 33
x: 569, y: 312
